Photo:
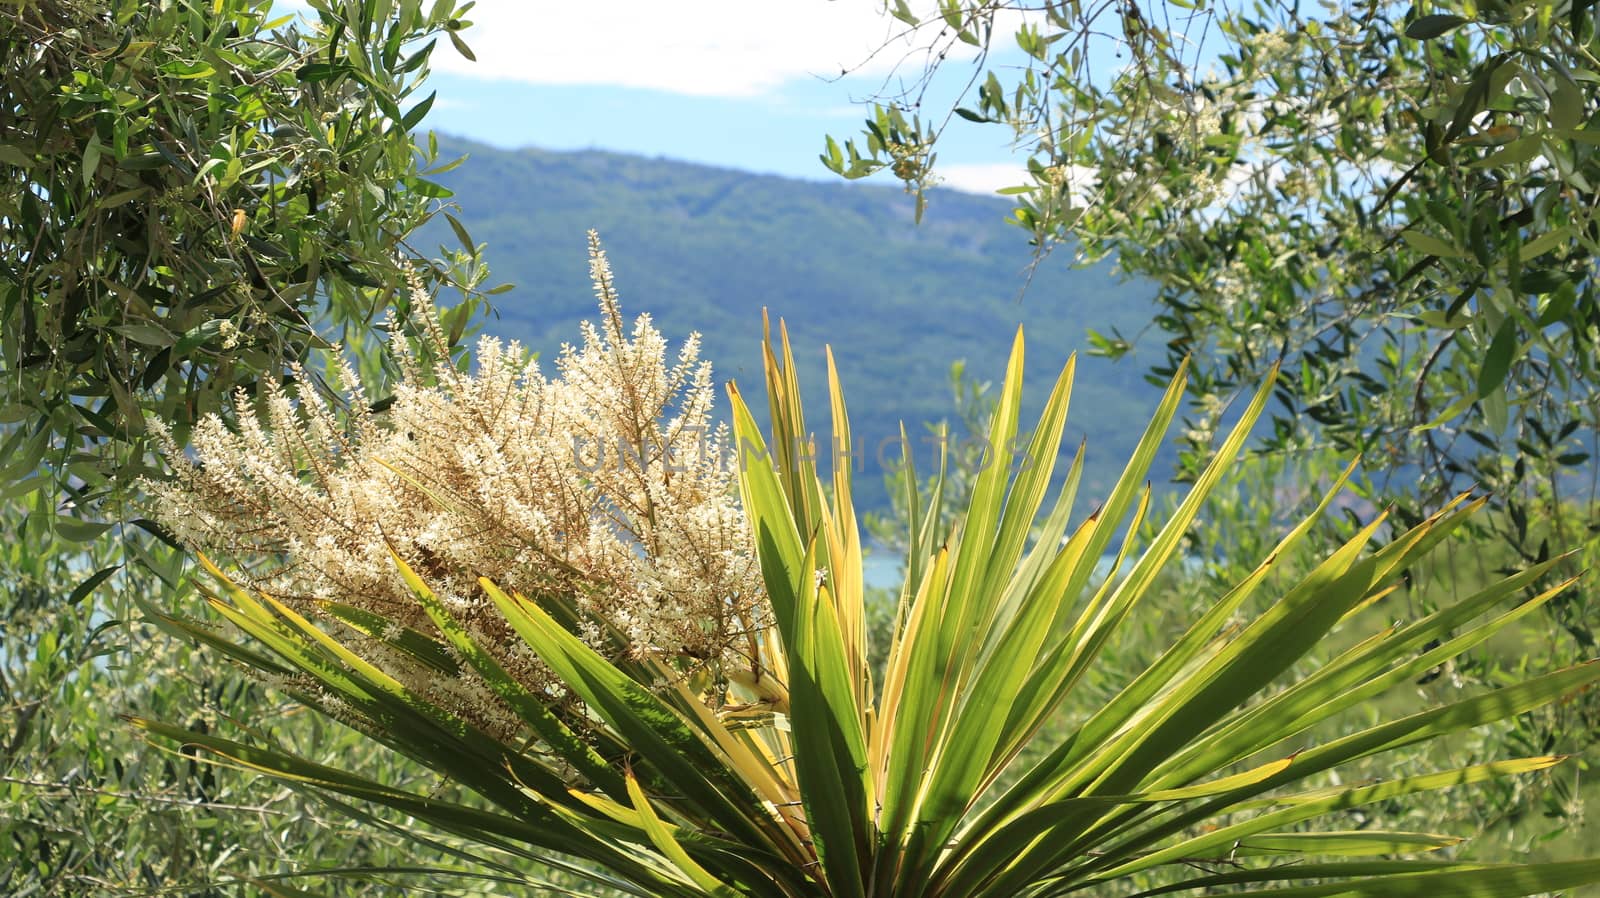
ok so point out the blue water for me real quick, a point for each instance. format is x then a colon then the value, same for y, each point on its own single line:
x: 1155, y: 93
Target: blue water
x: 880, y: 570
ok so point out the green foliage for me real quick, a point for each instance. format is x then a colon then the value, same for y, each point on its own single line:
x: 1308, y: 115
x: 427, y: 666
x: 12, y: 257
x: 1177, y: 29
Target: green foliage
x: 88, y: 808
x: 1398, y: 202
x: 1541, y: 816
x: 192, y: 194
x: 1199, y: 772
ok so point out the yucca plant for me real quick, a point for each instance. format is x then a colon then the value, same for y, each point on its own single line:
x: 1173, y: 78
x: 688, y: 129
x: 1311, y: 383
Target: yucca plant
x: 801, y: 776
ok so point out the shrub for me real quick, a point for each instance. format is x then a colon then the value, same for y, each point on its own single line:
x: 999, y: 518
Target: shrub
x: 606, y: 484
x: 192, y: 195
x: 787, y: 771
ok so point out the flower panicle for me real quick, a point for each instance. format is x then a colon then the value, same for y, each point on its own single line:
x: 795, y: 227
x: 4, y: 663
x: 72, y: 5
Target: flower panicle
x: 603, y: 485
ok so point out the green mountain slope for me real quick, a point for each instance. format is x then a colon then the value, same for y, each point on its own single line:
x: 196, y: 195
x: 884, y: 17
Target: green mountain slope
x: 706, y: 249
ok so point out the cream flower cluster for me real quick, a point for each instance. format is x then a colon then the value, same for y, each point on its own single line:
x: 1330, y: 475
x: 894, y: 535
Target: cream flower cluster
x: 604, y: 487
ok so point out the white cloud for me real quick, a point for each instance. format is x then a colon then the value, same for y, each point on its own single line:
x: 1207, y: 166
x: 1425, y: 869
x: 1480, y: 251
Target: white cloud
x: 983, y: 178
x: 726, y: 48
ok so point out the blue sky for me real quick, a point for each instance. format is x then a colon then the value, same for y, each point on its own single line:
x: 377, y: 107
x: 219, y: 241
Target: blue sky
x: 747, y: 84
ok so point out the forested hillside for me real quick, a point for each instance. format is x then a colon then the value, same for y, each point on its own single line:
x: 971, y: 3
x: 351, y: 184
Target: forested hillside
x: 707, y: 249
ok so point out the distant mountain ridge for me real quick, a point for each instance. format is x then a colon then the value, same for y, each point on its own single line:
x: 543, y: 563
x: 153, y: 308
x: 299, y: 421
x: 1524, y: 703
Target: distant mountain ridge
x: 706, y: 249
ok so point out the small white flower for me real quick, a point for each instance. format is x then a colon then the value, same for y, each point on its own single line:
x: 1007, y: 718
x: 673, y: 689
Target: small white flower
x: 469, y: 475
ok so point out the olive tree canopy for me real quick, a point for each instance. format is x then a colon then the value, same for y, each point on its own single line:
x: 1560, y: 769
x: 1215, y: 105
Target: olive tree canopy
x: 195, y: 194
x: 1397, y: 202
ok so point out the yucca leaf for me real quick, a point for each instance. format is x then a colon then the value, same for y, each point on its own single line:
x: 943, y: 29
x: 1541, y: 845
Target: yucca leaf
x: 911, y: 726
x: 899, y: 749
x: 990, y: 668
x: 625, y: 823
x: 1135, y: 475
x: 413, y: 725
x: 978, y: 529
x: 935, y: 532
x: 1028, y: 490
x: 844, y: 572
x: 419, y: 646
x: 1465, y: 714
x: 1163, y: 546
x: 1349, y: 681
x: 1188, y: 648
x: 1402, y: 879
x: 780, y: 549
x: 754, y: 760
x: 915, y: 522
x: 964, y: 872
x: 1454, y: 717
x: 937, y: 661
x: 655, y: 732
x: 791, y: 779
x: 1015, y: 653
x: 429, y: 723
x: 830, y: 750
x: 1247, y: 664
x: 789, y: 434
x: 1305, y: 806
x: 930, y: 667
x: 1052, y: 536
x: 830, y: 756
x: 1359, y: 843
x: 661, y: 836
x: 1008, y: 579
x: 555, y: 734
x: 539, y: 828
x: 410, y: 723
x: 1055, y: 673
x: 183, y: 629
